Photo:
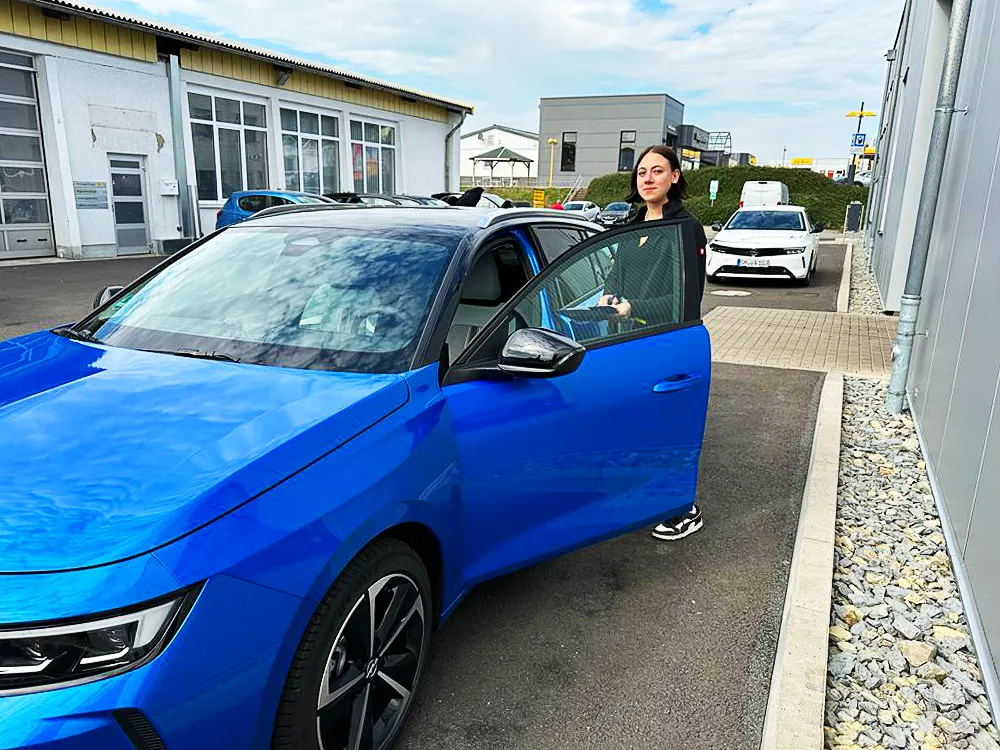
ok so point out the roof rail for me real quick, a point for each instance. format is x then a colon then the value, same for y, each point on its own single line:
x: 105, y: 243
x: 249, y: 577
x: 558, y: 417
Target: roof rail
x: 509, y: 214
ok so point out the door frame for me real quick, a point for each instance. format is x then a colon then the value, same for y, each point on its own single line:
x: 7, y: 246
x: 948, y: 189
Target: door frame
x: 144, y: 186
x: 461, y: 371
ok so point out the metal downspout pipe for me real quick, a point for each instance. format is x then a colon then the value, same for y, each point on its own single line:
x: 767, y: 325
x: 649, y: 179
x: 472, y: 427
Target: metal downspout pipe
x: 447, y: 154
x: 909, y: 308
x: 177, y: 137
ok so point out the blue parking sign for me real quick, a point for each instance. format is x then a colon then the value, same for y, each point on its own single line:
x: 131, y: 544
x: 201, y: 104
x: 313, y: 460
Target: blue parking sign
x: 858, y: 140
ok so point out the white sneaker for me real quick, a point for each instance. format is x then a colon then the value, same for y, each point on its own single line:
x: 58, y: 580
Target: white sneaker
x: 680, y: 526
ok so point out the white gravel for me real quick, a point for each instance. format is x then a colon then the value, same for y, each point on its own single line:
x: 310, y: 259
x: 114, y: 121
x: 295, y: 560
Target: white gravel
x: 864, y: 298
x: 902, y: 670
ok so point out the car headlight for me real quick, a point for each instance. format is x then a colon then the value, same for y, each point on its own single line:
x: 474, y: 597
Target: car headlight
x: 57, y: 654
x: 794, y: 250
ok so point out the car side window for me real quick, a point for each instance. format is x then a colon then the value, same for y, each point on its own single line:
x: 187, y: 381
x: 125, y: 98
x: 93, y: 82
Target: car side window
x: 278, y: 201
x: 253, y: 203
x: 555, y: 241
x: 642, y: 270
x: 497, y: 275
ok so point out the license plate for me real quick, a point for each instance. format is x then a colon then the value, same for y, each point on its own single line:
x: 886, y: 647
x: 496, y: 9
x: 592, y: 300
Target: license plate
x: 753, y: 262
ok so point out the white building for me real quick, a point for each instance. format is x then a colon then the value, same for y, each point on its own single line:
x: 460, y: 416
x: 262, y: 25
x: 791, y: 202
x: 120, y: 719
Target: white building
x: 521, y: 142
x: 122, y: 136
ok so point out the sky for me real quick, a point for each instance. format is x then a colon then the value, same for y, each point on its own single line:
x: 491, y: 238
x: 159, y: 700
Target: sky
x: 777, y: 74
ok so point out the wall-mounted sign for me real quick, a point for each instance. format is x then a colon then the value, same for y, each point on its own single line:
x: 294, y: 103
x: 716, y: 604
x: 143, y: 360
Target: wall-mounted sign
x: 91, y: 194
x: 802, y: 161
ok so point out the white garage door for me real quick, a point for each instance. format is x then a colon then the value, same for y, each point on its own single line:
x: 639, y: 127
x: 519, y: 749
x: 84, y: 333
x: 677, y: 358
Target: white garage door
x: 25, y: 219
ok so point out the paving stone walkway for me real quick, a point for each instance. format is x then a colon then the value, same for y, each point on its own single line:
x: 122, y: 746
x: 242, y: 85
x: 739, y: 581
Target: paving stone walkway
x: 859, y: 345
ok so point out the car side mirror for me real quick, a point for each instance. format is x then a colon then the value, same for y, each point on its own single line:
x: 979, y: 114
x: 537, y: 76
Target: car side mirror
x: 817, y: 228
x: 716, y: 226
x: 105, y: 294
x: 537, y: 353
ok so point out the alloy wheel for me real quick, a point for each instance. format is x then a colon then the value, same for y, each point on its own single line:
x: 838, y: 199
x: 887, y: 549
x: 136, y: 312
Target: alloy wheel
x: 373, y: 667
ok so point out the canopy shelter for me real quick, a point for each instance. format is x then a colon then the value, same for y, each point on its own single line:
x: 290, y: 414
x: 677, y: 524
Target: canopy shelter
x: 501, y: 155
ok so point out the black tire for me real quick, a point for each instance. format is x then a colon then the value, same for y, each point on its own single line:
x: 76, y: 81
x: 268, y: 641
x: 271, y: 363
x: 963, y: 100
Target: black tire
x: 300, y: 717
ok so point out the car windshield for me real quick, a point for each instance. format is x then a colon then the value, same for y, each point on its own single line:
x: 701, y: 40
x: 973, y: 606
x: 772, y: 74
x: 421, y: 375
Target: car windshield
x: 313, y: 199
x: 574, y: 206
x: 617, y: 207
x: 787, y: 220
x: 312, y: 298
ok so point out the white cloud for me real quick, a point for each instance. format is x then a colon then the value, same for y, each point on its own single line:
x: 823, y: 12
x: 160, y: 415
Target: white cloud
x: 773, y: 72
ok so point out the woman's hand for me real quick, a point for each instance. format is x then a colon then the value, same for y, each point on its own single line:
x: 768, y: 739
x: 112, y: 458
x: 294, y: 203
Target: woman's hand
x: 620, y: 304
x: 624, y: 308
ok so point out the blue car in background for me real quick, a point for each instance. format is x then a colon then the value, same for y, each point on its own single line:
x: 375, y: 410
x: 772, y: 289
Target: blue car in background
x: 240, y: 495
x: 242, y: 205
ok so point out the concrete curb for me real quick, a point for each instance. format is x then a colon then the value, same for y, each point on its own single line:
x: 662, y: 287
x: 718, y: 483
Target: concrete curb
x: 844, y: 295
x: 795, y: 706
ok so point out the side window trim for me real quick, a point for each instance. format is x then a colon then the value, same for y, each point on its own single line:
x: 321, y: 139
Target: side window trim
x: 460, y: 369
x: 490, y: 244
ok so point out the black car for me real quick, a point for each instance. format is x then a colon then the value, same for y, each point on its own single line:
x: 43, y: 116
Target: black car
x: 614, y: 213
x: 475, y: 197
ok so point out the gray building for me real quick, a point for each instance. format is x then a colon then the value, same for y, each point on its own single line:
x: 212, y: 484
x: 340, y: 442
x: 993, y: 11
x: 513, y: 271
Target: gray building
x: 953, y: 381
x: 595, y: 135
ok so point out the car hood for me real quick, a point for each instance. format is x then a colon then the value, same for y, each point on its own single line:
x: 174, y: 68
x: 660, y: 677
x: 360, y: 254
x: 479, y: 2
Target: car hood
x: 614, y: 212
x: 758, y: 237
x: 108, y: 453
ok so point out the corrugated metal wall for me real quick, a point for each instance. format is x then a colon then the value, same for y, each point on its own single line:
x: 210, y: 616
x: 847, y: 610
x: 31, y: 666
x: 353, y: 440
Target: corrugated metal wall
x: 955, y: 374
x: 920, y: 76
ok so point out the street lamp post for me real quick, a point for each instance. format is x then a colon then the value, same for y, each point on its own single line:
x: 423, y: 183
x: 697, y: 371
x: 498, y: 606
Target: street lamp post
x: 552, y: 154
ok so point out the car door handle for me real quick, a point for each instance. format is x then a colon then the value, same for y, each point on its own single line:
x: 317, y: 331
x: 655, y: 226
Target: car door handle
x: 677, y: 383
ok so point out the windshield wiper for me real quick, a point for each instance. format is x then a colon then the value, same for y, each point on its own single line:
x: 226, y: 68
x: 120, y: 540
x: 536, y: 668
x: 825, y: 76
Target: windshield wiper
x: 199, y: 354
x: 72, y: 333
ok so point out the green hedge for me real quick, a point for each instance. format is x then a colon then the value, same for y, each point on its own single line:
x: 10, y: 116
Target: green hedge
x: 825, y: 200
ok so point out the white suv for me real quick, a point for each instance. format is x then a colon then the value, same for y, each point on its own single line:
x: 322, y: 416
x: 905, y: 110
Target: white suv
x: 765, y: 243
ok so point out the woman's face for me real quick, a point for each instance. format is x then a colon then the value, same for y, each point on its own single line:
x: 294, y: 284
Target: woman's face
x: 654, y: 178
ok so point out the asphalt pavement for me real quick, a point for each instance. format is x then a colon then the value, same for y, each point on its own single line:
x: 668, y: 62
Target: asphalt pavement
x: 820, y: 295
x: 636, y: 643
x: 42, y: 295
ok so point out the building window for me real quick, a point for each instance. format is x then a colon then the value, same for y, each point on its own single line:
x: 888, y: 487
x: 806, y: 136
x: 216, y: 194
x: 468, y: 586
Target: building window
x: 626, y: 151
x: 373, y: 157
x: 24, y: 202
x: 567, y: 161
x: 310, y: 144
x: 230, y: 145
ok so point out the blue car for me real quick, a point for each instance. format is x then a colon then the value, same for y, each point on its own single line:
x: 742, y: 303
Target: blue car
x: 244, y: 204
x: 240, y: 495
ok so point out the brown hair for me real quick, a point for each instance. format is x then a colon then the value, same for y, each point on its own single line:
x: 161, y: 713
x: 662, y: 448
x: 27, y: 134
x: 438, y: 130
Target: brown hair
x: 677, y: 191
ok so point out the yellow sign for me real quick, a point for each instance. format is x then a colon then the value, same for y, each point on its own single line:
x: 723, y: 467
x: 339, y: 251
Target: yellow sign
x: 538, y: 198
x: 869, y: 151
x: 866, y: 113
x: 690, y: 154
x: 802, y: 161
x: 753, y: 161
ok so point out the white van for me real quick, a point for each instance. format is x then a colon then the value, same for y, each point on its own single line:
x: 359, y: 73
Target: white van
x: 764, y: 193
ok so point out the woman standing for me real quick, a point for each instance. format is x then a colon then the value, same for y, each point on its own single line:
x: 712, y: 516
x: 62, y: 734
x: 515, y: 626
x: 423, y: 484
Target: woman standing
x: 657, y: 182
